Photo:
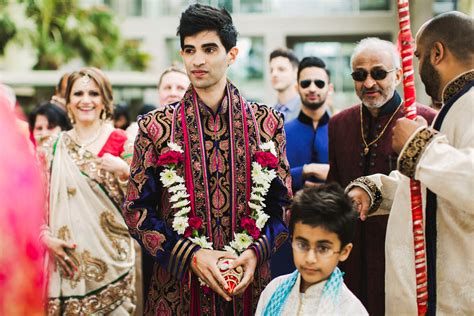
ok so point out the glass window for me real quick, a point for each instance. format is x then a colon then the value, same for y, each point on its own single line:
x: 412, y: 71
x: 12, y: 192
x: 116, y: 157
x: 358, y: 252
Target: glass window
x: 172, y: 48
x: 324, y: 6
x: 135, y: 8
x: 374, y: 5
x: 440, y: 6
x: 251, y: 6
x: 173, y: 7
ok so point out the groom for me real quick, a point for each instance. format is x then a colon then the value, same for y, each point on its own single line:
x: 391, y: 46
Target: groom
x: 209, y: 173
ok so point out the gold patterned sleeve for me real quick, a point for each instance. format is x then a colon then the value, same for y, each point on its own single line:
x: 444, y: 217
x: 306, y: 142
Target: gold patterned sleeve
x: 372, y: 190
x: 413, y: 150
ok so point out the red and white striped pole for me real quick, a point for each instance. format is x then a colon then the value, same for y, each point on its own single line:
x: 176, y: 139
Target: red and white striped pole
x: 405, y: 40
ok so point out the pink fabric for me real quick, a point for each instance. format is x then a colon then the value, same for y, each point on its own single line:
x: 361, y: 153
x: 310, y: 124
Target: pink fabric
x: 114, y: 144
x: 22, y: 277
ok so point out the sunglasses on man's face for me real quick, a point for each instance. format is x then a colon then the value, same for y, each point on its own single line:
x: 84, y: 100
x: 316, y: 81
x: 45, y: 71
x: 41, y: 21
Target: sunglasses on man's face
x: 375, y: 73
x: 306, y: 83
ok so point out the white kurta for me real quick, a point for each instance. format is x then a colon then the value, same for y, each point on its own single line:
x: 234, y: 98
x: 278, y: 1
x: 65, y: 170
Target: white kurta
x: 446, y: 167
x: 307, y: 304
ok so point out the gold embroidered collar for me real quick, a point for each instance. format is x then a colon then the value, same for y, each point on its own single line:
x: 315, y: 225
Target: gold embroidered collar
x: 455, y: 85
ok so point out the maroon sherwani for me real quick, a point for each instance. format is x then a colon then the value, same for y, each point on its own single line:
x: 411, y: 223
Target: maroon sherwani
x: 365, y: 267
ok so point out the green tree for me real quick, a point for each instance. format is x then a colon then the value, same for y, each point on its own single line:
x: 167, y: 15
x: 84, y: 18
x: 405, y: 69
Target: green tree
x: 65, y: 31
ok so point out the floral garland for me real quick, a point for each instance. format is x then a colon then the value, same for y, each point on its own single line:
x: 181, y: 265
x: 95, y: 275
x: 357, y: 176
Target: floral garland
x: 262, y: 173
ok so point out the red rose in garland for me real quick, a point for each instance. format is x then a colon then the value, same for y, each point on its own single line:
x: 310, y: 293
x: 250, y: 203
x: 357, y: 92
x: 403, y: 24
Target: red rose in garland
x: 170, y: 157
x: 250, y: 226
x: 266, y: 159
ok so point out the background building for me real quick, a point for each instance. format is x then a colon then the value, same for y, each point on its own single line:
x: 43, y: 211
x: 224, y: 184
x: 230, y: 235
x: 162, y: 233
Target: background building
x: 325, y: 28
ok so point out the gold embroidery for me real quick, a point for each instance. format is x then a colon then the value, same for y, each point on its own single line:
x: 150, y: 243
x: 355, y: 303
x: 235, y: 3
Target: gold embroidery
x: 456, y: 85
x: 89, y: 268
x: 88, y: 163
x: 411, y: 155
x: 102, y: 302
x: 94, y: 269
x: 71, y: 191
x: 64, y: 233
x: 371, y: 188
x: 117, y: 234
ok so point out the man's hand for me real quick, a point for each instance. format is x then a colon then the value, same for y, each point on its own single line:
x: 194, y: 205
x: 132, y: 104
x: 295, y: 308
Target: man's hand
x: 317, y: 170
x: 248, y: 261
x: 204, y: 266
x: 403, y: 130
x: 361, y: 200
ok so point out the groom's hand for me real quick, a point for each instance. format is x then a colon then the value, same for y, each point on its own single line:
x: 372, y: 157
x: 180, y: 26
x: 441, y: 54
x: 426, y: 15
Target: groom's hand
x: 248, y: 261
x: 204, y: 265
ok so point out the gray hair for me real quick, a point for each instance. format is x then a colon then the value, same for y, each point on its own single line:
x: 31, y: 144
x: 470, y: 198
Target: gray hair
x: 377, y: 44
x: 9, y: 95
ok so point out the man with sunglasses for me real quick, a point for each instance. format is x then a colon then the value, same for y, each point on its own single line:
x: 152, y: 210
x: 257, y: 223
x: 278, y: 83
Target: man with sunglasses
x: 359, y: 145
x: 307, y: 141
x: 441, y: 157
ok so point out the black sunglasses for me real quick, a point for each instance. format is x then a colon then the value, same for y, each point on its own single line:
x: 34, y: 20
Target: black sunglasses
x: 375, y: 73
x: 306, y: 83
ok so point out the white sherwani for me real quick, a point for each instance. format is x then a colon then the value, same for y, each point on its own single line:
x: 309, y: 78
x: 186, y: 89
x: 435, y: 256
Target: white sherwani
x: 445, y: 166
x: 307, y: 304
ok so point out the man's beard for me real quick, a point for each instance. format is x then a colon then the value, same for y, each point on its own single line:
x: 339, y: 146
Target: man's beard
x: 431, y: 78
x: 313, y: 105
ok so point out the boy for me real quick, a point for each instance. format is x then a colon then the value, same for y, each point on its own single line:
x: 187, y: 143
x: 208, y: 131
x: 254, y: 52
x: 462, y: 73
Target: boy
x: 322, y: 224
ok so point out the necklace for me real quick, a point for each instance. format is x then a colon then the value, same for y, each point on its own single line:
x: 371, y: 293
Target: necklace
x: 84, y: 145
x: 366, y: 146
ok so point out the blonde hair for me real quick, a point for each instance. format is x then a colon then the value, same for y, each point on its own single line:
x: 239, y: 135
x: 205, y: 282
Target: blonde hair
x: 172, y: 68
x: 102, y: 82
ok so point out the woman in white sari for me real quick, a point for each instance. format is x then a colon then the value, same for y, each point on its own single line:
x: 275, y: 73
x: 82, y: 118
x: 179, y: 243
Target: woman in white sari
x: 91, y: 252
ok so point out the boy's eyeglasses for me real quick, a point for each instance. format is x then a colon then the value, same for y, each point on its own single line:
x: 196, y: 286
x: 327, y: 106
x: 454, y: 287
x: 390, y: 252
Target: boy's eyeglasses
x: 375, y: 73
x: 306, y: 83
x: 322, y: 252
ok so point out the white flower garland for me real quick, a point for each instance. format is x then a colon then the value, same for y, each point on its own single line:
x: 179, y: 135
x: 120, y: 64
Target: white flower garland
x: 261, y: 180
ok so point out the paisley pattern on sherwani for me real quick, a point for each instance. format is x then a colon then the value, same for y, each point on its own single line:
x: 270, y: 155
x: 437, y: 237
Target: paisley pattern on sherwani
x: 221, y: 183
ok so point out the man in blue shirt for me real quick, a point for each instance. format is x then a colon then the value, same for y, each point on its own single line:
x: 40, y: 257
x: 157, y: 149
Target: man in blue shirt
x: 307, y: 142
x: 307, y: 136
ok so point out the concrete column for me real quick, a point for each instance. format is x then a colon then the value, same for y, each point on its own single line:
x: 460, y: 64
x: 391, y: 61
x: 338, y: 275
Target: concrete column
x: 420, y: 12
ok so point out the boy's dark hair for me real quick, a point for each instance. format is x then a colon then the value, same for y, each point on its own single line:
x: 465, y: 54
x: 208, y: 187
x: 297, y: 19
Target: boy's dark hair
x: 326, y: 206
x: 312, y: 62
x: 55, y: 115
x: 286, y: 53
x: 197, y: 18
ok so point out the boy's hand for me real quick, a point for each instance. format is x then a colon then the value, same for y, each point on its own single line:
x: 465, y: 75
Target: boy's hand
x: 361, y: 201
x: 248, y: 261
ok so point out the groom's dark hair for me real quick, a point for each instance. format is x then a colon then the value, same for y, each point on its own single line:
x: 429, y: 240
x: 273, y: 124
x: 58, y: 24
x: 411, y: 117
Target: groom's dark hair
x: 197, y: 18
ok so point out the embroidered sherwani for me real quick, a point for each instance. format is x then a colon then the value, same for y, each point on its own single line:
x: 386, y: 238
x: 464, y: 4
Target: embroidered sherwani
x: 364, y: 268
x: 216, y: 146
x: 443, y: 162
